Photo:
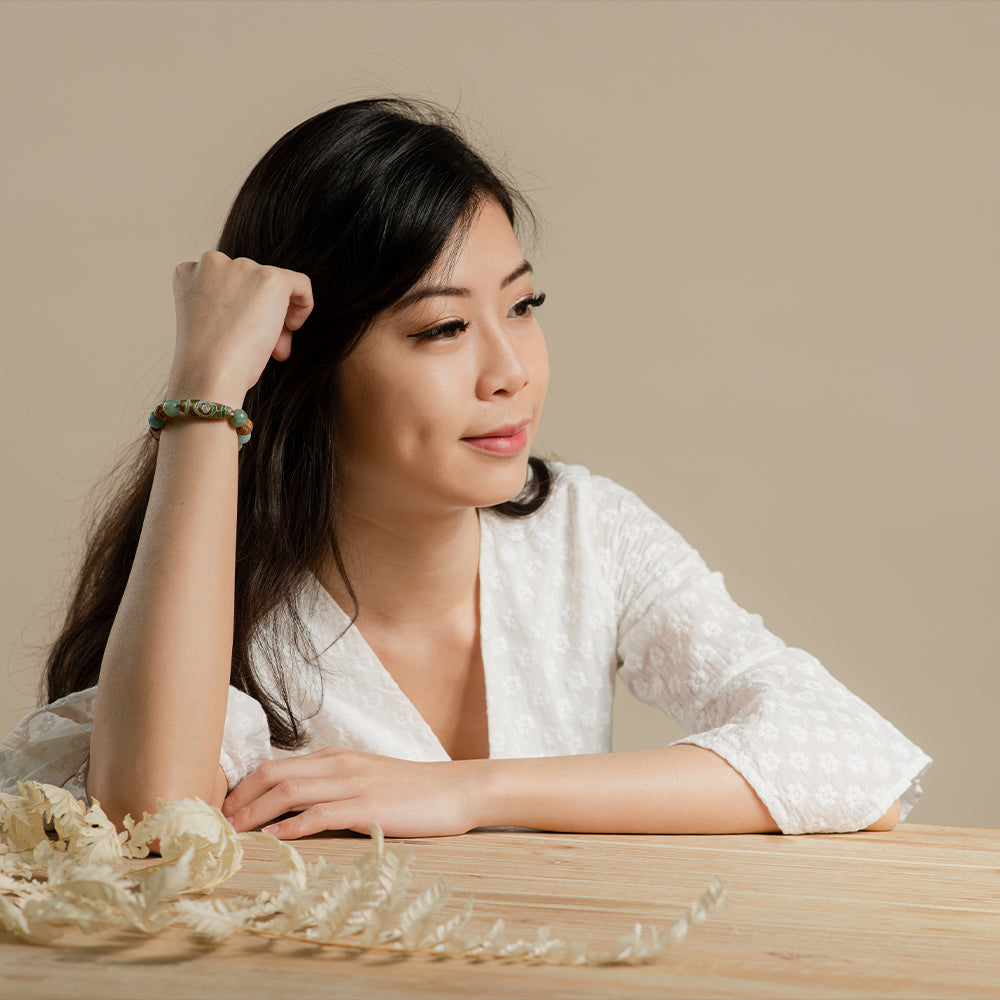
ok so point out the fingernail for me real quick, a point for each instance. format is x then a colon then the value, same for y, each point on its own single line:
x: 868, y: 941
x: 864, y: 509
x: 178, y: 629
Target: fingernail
x: 272, y: 829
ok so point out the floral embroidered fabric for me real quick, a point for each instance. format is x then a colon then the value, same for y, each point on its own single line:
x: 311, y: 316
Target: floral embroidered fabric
x: 591, y: 584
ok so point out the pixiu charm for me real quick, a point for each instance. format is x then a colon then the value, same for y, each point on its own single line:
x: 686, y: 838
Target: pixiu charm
x: 203, y: 408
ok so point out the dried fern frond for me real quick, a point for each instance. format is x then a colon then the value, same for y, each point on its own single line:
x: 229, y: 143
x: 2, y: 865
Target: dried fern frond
x: 22, y: 820
x: 62, y: 866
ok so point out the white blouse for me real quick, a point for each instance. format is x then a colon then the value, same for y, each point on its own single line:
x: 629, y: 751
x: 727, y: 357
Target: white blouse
x: 591, y: 584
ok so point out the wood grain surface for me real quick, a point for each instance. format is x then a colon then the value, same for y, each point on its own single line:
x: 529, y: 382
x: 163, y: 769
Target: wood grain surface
x: 911, y: 913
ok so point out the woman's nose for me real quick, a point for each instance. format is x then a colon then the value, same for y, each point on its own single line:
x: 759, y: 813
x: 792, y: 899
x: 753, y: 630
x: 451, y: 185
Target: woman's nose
x: 502, y: 370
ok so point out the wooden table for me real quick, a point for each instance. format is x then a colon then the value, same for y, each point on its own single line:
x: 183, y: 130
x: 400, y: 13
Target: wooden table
x: 912, y: 913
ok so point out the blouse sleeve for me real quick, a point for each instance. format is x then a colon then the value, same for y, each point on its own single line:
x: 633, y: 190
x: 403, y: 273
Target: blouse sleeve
x: 52, y: 744
x: 821, y: 760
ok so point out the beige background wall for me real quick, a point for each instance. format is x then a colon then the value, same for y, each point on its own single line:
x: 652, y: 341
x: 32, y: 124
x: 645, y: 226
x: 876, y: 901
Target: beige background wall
x: 771, y: 253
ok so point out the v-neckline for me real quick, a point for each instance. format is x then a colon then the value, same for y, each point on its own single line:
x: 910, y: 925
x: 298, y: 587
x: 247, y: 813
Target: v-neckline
x: 346, y: 627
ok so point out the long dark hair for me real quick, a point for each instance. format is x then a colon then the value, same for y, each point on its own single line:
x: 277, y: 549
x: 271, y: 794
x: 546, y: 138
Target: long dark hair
x: 362, y: 198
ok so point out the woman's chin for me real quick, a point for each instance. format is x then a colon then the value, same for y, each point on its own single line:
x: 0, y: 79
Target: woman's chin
x: 505, y: 488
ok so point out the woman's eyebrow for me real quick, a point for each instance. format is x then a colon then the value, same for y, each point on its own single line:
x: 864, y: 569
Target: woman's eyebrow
x: 431, y: 291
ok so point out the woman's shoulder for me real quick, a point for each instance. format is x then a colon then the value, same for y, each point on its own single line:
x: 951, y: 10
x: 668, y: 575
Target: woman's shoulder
x: 580, y: 503
x: 576, y: 484
x: 580, y: 494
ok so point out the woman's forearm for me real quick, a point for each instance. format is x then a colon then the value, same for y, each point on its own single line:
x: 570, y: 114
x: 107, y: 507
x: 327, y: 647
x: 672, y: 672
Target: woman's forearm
x: 162, y: 694
x: 161, y: 702
x: 677, y: 789
x: 682, y: 789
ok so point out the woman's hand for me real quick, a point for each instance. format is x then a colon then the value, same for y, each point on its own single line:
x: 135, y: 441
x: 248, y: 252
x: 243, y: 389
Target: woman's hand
x: 335, y: 789
x: 232, y: 315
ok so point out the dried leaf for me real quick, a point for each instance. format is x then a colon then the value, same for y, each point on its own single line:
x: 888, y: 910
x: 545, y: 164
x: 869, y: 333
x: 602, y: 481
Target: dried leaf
x: 22, y: 822
x: 11, y: 916
x: 186, y: 823
x: 95, y: 838
x: 62, y: 866
x: 289, y: 858
x: 63, y: 809
x: 414, y: 921
x: 210, y: 919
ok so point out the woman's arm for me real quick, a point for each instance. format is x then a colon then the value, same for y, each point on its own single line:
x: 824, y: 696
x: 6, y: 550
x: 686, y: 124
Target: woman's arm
x: 676, y: 789
x: 161, y: 701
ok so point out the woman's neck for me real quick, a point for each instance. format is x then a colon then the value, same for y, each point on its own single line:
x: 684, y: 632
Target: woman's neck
x: 406, y: 570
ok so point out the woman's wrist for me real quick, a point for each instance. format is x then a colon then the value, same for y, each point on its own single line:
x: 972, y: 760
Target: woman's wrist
x: 481, y: 792
x: 195, y: 382
x: 218, y: 391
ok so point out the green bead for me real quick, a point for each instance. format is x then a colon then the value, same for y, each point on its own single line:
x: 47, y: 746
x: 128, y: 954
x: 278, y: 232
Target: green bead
x: 238, y: 418
x: 155, y: 422
x: 172, y: 407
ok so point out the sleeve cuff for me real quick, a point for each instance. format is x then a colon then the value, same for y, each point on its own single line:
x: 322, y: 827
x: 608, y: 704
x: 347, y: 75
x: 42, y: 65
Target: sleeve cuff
x: 246, y: 740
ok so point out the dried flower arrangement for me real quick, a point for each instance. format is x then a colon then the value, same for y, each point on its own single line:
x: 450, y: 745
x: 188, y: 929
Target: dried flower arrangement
x: 63, y: 865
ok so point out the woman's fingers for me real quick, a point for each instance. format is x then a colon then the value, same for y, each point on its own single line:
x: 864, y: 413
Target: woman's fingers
x: 319, y: 818
x: 300, y: 300
x: 281, y: 786
x: 337, y: 789
x: 283, y: 348
x: 300, y: 305
x: 293, y: 794
x: 232, y: 315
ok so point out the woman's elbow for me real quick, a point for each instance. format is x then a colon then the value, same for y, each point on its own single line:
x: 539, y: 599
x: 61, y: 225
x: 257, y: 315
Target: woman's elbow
x: 119, y: 798
x: 888, y: 821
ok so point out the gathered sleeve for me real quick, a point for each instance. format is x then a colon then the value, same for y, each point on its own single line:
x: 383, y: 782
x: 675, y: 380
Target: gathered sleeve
x: 52, y: 744
x: 819, y: 758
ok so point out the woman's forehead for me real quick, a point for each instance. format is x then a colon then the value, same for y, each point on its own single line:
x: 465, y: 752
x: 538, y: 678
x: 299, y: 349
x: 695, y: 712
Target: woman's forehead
x: 482, y: 247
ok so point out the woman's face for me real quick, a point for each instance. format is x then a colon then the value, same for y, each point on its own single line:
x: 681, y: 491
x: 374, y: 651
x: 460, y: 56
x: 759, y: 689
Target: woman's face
x: 440, y: 400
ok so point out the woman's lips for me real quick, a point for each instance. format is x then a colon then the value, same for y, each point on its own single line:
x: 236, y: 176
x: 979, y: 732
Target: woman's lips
x: 507, y: 440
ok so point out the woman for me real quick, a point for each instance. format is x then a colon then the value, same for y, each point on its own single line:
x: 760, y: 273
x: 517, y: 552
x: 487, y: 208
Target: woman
x: 425, y: 623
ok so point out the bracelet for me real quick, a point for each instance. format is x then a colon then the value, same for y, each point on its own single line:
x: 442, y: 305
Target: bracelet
x: 204, y: 408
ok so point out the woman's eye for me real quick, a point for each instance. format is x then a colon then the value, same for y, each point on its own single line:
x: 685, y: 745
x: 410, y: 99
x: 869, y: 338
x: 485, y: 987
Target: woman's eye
x: 446, y: 331
x: 524, y: 306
